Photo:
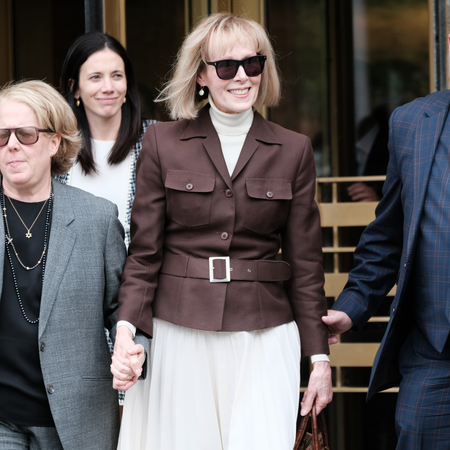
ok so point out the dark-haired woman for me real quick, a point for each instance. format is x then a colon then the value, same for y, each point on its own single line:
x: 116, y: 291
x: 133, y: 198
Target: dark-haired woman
x: 98, y: 82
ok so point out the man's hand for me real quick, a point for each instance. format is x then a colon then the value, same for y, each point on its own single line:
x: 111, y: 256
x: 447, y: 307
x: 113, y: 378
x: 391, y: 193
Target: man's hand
x: 127, y: 360
x: 337, y: 322
x: 319, y: 388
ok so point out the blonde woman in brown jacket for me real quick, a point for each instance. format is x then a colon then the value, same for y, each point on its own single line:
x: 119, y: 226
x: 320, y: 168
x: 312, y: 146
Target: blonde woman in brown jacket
x: 215, y: 191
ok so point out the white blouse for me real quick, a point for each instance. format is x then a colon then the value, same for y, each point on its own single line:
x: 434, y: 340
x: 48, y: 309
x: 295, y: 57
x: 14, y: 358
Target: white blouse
x: 110, y: 182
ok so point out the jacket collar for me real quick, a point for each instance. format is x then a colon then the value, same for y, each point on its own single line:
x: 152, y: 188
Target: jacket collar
x: 202, y: 127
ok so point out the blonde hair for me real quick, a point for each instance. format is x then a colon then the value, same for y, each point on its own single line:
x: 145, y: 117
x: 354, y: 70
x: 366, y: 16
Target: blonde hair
x: 53, y: 113
x: 180, y: 93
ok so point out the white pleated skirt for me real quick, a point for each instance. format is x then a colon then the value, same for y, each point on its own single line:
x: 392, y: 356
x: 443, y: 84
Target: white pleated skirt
x: 209, y: 390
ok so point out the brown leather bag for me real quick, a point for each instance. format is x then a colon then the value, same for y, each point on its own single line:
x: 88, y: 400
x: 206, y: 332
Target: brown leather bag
x: 317, y: 439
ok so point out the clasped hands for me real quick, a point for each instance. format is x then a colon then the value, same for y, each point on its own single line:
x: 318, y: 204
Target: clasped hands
x: 127, y: 360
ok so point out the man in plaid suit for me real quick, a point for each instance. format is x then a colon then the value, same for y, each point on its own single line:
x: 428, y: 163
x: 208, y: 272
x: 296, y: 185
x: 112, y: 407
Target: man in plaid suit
x: 409, y: 244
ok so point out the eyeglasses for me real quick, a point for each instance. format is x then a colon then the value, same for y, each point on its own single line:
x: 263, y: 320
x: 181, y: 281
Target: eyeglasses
x: 25, y: 135
x: 227, y: 69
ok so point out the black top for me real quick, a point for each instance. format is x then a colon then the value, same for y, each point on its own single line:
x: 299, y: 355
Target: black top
x: 22, y: 391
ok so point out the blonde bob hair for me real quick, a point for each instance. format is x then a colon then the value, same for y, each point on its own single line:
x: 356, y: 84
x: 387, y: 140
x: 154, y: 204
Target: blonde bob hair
x: 53, y: 113
x: 180, y: 93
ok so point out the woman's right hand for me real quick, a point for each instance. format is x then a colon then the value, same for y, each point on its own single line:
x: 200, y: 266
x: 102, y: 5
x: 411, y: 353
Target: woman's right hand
x: 127, y: 360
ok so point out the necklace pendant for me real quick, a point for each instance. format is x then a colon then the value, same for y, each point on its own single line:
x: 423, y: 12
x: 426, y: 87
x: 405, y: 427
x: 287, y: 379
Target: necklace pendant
x: 28, y: 234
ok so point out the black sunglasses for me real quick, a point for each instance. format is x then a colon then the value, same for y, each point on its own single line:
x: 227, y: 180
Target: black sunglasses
x: 25, y: 135
x: 226, y: 69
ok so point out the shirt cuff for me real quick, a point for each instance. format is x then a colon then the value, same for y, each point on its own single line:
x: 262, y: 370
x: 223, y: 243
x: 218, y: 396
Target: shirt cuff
x: 131, y: 327
x: 321, y: 357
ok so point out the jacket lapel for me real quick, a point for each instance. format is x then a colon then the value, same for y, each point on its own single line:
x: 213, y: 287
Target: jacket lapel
x: 214, y: 150
x: 259, y: 132
x: 60, y: 248
x: 202, y: 127
x: 428, y: 132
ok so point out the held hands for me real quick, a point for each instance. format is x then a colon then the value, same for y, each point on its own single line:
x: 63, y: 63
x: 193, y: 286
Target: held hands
x: 337, y: 322
x: 127, y: 360
x: 319, y: 388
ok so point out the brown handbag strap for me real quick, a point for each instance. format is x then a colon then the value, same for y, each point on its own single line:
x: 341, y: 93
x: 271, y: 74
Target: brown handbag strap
x: 302, y: 431
x: 315, y: 430
x: 323, y: 426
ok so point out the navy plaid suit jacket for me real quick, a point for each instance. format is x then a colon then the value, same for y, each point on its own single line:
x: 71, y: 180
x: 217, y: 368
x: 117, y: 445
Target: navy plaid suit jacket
x: 385, y: 253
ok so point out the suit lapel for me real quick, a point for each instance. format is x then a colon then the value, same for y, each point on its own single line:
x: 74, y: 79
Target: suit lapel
x: 60, y: 248
x: 428, y: 132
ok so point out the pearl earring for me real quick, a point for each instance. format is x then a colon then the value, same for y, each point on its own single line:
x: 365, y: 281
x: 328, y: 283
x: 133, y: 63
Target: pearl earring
x: 78, y: 102
x: 201, y: 92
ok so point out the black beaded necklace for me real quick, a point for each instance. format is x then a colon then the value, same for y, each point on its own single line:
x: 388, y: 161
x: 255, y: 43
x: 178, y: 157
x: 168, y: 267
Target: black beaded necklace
x: 8, y: 241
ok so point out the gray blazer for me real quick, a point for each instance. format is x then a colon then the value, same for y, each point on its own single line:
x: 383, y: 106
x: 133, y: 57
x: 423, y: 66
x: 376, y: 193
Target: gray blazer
x: 85, y: 259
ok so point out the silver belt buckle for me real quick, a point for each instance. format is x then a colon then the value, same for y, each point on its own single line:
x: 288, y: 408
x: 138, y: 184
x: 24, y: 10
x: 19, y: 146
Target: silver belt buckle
x: 227, y: 270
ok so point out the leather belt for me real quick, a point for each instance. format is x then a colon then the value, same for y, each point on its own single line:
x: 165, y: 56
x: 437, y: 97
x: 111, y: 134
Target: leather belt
x: 222, y: 269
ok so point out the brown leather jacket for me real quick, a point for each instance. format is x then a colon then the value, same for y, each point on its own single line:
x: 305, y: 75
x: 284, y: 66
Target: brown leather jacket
x: 187, y: 208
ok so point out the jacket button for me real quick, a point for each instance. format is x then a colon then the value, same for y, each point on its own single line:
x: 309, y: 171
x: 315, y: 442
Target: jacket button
x: 189, y: 186
x: 50, y: 389
x: 224, y: 236
x: 42, y: 346
x: 269, y: 194
x: 229, y: 193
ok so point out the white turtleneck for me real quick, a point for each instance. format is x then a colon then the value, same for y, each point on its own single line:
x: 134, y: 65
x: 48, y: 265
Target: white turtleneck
x: 232, y: 130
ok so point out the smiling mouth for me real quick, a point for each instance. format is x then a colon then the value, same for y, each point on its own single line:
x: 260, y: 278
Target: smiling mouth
x: 239, y: 91
x: 15, y: 163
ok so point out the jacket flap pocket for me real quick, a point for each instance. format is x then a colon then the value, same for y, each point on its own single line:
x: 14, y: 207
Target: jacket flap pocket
x: 269, y: 189
x: 187, y: 181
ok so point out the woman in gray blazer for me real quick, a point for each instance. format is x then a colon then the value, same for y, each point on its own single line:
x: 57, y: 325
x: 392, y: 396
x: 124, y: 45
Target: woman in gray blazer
x: 60, y: 267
